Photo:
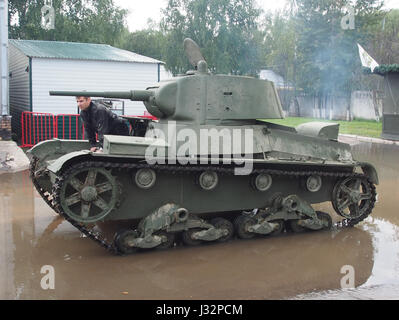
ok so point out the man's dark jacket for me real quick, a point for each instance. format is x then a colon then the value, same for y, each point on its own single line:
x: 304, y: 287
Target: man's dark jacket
x: 99, y: 119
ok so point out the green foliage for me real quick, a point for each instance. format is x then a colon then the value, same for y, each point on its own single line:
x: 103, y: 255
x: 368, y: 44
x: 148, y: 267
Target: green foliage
x: 328, y: 60
x: 96, y: 21
x: 366, y: 70
x: 386, y: 68
x: 279, y: 44
x: 304, y: 43
x: 384, y: 44
x: 307, y: 46
x: 226, y: 30
x: 147, y: 42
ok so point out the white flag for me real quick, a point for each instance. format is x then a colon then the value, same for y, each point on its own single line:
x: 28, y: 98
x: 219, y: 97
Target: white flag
x: 367, y: 60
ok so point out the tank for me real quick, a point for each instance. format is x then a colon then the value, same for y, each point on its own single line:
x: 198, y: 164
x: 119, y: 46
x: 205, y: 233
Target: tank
x: 210, y: 168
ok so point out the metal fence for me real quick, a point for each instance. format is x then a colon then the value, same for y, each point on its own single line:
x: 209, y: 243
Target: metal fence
x: 38, y: 126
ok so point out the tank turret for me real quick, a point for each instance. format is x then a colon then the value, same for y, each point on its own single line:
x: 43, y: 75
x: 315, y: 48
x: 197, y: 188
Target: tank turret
x: 202, y: 98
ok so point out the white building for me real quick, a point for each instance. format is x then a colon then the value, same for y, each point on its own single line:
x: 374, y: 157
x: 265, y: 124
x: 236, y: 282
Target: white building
x: 37, y: 67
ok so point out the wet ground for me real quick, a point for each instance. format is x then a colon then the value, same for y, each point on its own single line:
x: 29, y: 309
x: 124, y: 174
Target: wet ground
x: 291, y: 266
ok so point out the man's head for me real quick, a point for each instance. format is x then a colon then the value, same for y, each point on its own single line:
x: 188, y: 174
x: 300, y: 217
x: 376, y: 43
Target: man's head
x: 83, y: 102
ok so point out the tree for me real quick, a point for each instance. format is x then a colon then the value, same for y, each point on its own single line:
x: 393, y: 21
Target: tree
x: 327, y: 54
x: 385, y: 43
x: 226, y: 30
x: 279, y: 50
x: 75, y: 20
x: 279, y: 44
x: 147, y: 42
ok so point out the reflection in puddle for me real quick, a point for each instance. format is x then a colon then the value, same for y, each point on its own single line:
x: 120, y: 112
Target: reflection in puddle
x: 383, y: 282
x: 386, y: 252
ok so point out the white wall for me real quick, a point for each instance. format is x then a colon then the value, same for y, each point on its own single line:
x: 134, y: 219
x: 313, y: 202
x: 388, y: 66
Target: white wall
x: 164, y: 74
x: 362, y: 105
x: 77, y: 75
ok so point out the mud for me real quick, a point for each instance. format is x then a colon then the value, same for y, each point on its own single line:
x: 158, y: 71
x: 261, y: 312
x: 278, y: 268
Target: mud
x: 289, y: 266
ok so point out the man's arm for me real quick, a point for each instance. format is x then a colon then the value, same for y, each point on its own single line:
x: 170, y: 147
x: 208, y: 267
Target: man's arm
x: 89, y: 130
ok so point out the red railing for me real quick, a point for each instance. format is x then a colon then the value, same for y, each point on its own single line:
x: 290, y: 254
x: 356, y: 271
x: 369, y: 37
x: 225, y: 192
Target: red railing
x: 71, y: 119
x: 38, y: 126
x: 148, y: 116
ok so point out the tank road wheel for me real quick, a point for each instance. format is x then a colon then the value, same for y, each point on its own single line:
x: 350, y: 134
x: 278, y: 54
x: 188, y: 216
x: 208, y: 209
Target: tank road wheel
x: 326, y: 218
x: 294, y: 226
x: 280, y: 228
x: 208, y: 180
x: 89, y: 194
x: 122, y: 239
x: 187, y: 237
x: 224, y: 224
x: 241, y: 224
x: 168, y: 239
x: 353, y: 197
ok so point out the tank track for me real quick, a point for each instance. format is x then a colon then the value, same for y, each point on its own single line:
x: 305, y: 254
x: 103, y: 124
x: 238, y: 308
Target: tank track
x: 48, y: 198
x: 40, y: 190
x: 53, y: 200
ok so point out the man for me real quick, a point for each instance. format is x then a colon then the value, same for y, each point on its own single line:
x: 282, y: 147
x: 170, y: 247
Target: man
x: 99, y: 119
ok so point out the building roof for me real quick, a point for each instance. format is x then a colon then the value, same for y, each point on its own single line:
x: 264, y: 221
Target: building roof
x: 77, y: 51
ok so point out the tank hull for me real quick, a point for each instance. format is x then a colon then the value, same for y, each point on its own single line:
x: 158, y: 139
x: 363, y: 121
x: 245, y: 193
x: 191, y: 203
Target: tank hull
x: 180, y: 185
x: 89, y: 187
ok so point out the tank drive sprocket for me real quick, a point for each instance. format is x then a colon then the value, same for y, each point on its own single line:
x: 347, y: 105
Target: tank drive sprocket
x: 88, y: 194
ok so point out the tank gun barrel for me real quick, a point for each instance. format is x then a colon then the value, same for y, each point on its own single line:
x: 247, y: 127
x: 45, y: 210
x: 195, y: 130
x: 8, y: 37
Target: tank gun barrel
x: 134, y: 95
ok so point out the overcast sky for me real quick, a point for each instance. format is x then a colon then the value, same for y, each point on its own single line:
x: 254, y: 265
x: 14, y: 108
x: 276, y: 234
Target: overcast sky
x: 142, y: 10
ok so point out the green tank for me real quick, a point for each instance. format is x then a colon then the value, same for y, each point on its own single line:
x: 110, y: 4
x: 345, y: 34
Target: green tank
x: 206, y: 170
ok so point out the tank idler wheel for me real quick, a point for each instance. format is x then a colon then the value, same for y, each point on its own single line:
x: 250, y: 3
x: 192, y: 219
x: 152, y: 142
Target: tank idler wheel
x: 353, y: 197
x: 241, y: 224
x: 187, y: 237
x: 280, y: 228
x: 121, y: 241
x: 326, y: 218
x: 222, y: 223
x: 168, y: 239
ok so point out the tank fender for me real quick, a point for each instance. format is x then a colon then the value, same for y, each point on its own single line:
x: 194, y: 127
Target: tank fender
x: 58, y: 164
x: 45, y: 148
x: 370, y: 171
x: 50, y: 149
x: 319, y: 129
